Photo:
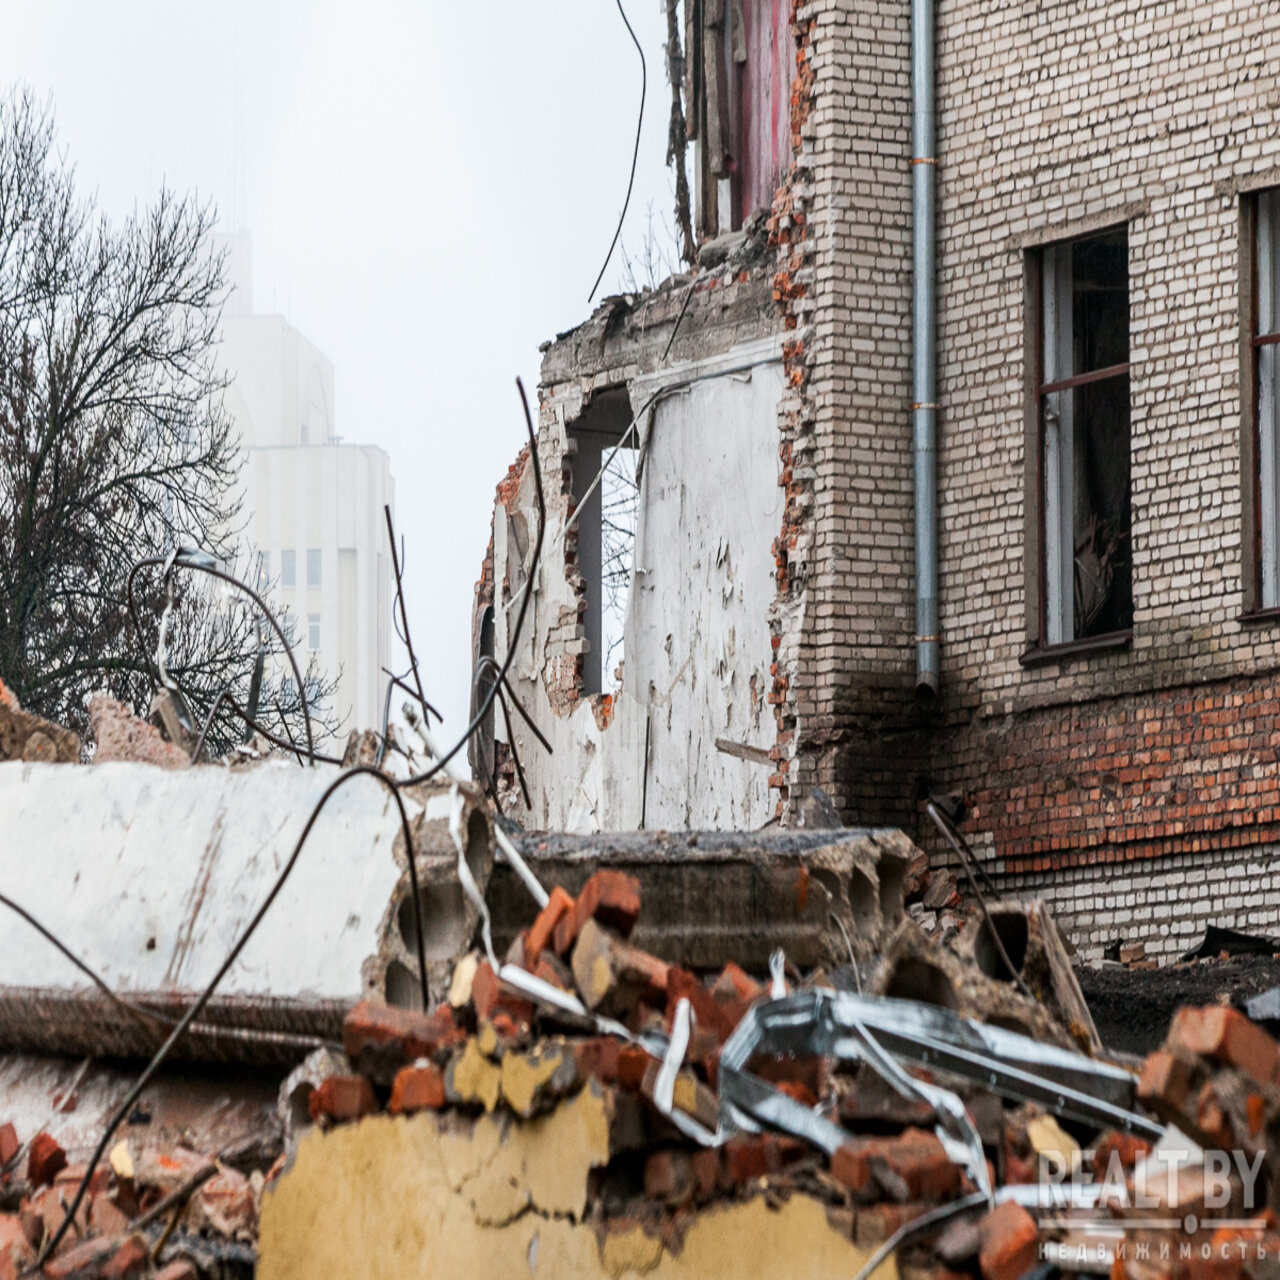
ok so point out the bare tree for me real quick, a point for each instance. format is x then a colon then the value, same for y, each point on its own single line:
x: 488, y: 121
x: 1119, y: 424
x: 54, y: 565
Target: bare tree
x: 114, y: 444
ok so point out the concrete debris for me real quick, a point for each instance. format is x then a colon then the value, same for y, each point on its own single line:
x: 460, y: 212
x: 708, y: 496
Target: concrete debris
x: 120, y: 736
x: 27, y: 737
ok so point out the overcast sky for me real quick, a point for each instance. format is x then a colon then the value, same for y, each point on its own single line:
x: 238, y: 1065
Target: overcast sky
x: 430, y: 188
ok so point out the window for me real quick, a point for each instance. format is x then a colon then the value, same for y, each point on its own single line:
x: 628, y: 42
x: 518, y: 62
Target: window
x: 313, y: 632
x: 313, y: 567
x: 1080, y: 439
x: 1264, y: 350
x: 264, y: 568
x: 604, y: 528
x: 288, y: 568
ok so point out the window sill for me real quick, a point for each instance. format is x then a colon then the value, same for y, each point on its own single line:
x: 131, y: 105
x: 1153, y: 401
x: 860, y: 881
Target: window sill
x: 1052, y: 653
x: 1259, y: 617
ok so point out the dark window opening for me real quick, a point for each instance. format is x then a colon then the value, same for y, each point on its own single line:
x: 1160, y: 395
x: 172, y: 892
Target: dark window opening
x: 1082, y: 400
x: 604, y: 491
x: 1265, y: 344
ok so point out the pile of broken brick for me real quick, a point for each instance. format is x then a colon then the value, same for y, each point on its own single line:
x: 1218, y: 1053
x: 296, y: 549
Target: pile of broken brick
x: 488, y: 1048
x: 133, y: 1201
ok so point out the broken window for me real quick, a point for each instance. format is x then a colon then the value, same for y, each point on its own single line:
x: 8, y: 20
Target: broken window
x: 1082, y: 399
x: 1266, y: 403
x: 739, y: 65
x: 604, y: 490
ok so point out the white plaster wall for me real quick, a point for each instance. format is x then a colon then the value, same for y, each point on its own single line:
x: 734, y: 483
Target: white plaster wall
x: 152, y: 875
x: 696, y: 650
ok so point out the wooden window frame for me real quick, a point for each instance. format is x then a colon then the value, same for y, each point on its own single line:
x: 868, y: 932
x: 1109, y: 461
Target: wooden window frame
x: 1251, y: 342
x: 1034, y: 389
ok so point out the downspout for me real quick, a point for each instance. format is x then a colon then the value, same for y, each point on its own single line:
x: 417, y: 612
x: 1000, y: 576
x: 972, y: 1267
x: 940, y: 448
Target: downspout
x: 924, y: 408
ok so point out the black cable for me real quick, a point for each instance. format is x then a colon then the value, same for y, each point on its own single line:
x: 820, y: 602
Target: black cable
x: 208, y: 724
x: 134, y: 1010
x: 179, y: 562
x: 513, y: 643
x: 206, y: 995
x: 932, y: 810
x: 484, y: 664
x: 635, y: 155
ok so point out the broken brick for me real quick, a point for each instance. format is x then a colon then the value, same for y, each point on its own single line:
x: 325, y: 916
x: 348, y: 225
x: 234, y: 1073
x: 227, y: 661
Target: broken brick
x: 735, y: 986
x: 610, y: 897
x: 419, y: 1087
x: 68, y: 1180
x: 16, y: 1251
x: 1010, y: 1242
x: 1226, y: 1035
x: 707, y: 1172
x: 489, y: 998
x: 551, y: 969
x: 913, y: 1166
x: 105, y: 1258
x: 106, y: 1218
x: 542, y: 931
x: 850, y: 1168
x: 669, y: 1177
x: 612, y: 976
x: 9, y: 1143
x: 379, y: 1039
x: 598, y: 1059
x: 709, y: 1014
x: 342, y: 1098
x: 1127, y: 1148
x: 45, y: 1159
x: 750, y: 1157
x: 1164, y: 1083
x: 179, y: 1269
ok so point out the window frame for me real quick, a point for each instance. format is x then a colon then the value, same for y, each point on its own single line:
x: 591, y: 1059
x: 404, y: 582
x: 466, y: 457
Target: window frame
x: 1255, y: 609
x: 1038, y: 650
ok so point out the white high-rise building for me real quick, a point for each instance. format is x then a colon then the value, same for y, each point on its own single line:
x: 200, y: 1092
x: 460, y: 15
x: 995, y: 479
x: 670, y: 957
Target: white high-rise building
x: 313, y: 504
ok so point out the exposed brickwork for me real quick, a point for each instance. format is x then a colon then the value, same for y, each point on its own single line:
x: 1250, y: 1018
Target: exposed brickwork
x: 1167, y: 748
x: 843, y: 620
x: 1164, y: 903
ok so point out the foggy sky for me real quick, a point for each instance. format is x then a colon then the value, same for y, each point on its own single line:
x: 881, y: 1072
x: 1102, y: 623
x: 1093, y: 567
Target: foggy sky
x: 430, y: 188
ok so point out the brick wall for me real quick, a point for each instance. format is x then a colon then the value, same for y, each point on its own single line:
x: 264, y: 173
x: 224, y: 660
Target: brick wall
x: 1165, y: 905
x: 1055, y: 119
x: 844, y: 612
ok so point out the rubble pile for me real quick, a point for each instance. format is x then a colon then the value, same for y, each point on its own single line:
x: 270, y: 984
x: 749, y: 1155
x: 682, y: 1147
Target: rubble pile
x: 1045, y: 1109
x: 201, y: 1210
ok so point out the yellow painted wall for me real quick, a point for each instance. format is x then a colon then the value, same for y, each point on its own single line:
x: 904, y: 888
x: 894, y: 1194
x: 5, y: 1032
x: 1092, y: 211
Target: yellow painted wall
x: 499, y: 1200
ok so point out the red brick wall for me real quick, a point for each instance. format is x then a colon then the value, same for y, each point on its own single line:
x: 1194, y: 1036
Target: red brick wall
x: 1117, y: 779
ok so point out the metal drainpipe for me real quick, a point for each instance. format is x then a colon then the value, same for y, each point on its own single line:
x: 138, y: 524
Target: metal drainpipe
x: 924, y: 408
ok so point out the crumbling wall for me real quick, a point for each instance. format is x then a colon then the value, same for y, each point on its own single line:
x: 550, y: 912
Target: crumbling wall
x: 843, y: 620
x: 684, y: 740
x: 414, y: 1196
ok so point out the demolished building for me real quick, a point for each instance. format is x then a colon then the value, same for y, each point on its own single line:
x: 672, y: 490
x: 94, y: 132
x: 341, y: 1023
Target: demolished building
x: 1070, y: 631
